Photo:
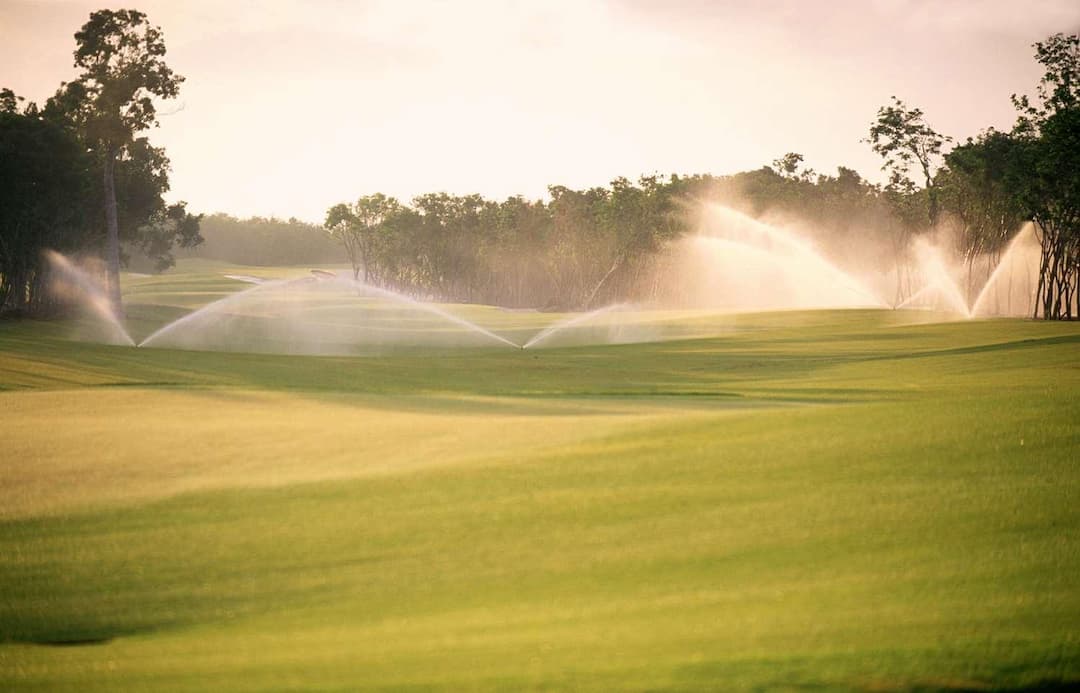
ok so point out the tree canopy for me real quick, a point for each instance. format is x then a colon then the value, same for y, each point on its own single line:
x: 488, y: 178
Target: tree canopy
x: 121, y: 56
x: 78, y: 177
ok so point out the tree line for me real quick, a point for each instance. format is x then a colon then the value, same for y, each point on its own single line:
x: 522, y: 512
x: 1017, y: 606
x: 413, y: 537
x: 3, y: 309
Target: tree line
x: 264, y: 241
x: 583, y: 247
x: 580, y: 248
x: 77, y: 176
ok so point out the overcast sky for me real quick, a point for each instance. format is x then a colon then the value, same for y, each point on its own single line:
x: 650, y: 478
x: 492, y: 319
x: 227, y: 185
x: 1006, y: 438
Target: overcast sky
x: 292, y: 106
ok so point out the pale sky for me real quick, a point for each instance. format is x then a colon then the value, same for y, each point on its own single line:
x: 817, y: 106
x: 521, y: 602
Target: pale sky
x: 290, y: 106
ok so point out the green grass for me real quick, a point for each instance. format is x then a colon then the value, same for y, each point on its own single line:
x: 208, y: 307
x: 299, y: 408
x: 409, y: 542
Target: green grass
x: 828, y: 500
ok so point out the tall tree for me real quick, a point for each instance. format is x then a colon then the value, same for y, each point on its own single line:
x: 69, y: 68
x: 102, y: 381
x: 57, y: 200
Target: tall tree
x: 121, y: 56
x: 903, y: 139
x: 1059, y: 88
x: 1046, y: 176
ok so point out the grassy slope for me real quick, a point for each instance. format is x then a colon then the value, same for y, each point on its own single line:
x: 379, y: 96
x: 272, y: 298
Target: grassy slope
x: 820, y: 499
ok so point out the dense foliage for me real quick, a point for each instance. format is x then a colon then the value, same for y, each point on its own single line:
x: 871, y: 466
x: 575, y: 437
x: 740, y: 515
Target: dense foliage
x: 75, y: 177
x: 44, y: 190
x: 998, y: 180
x: 581, y: 247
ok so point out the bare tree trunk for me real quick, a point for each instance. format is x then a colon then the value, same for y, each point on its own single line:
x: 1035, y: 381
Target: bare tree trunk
x: 112, y: 235
x: 365, y: 257
x: 1067, y: 306
x: 1076, y: 280
x: 16, y: 297
x: 603, y: 280
x: 1044, y: 263
x: 39, y: 300
x: 1053, y: 287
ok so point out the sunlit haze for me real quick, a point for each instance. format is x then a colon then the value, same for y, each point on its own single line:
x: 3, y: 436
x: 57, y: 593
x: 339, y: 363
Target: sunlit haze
x: 290, y: 107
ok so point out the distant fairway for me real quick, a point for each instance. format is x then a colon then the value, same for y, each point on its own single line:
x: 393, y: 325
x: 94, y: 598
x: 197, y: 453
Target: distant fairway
x: 824, y: 500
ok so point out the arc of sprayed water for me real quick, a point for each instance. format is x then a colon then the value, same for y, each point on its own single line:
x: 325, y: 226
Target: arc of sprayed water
x: 1004, y: 263
x: 951, y: 293
x: 838, y: 278
x: 401, y: 298
x: 957, y: 298
x: 93, y: 296
x: 801, y: 248
x: 917, y: 295
x: 269, y: 285
x: 949, y: 288
x: 231, y: 298
x: 943, y: 281
x: 569, y: 322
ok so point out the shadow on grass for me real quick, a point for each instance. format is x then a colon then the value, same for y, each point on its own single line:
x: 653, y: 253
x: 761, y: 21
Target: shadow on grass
x: 77, y: 636
x: 1045, y: 686
x: 985, y: 348
x: 74, y: 642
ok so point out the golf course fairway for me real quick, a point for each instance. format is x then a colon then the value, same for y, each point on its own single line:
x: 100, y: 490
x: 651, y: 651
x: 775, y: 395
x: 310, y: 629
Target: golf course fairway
x: 819, y: 500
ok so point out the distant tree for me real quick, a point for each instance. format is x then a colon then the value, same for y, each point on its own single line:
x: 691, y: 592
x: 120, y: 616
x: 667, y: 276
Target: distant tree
x: 371, y: 213
x: 264, y: 242
x: 9, y: 102
x: 341, y: 224
x: 450, y: 243
x: 398, y: 251
x: 788, y: 167
x: 642, y: 219
x: 904, y: 140
x: 357, y: 228
x: 123, y: 70
x: 580, y: 246
x: 515, y: 255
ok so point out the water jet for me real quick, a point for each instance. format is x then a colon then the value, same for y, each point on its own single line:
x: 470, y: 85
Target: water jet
x: 73, y: 283
x: 321, y: 314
